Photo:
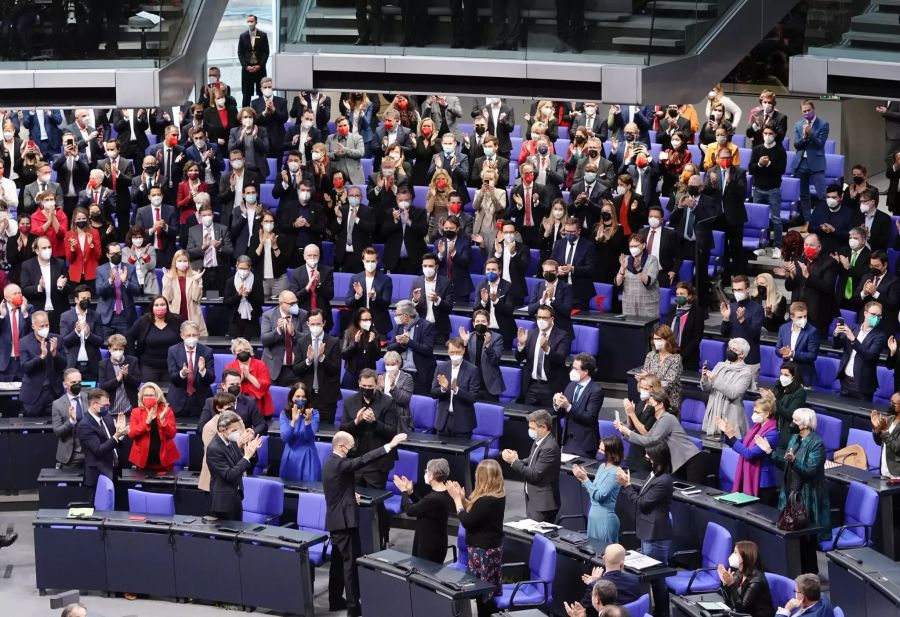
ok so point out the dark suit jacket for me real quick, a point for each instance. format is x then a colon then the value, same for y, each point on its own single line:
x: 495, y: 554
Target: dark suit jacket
x: 777, y: 122
x: 805, y: 352
x: 379, y: 305
x: 80, y: 172
x: 107, y: 201
x: 503, y: 308
x: 30, y: 276
x: 475, y: 180
x: 361, y: 236
x: 444, y: 290
x: 462, y: 418
x: 584, y: 273
x: 329, y: 369
x: 324, y: 291
x: 880, y: 233
x: 561, y: 303
x: 339, y: 484
x: 39, y: 374
x: 106, y: 292
x: 541, y: 474
x: 491, y: 354
x: 72, y: 341
x: 215, y: 162
x: 866, y: 361
x: 554, y: 360
x: 540, y: 205
x: 119, y: 121
x: 518, y: 266
x: 637, y: 218
x: 6, y: 343
x: 403, y: 138
x: 392, y: 232
x: 652, y: 504
x: 691, y: 336
x: 246, y: 408
x: 372, y: 435
x: 670, y: 251
x: 459, y: 265
x: 99, y: 459
x: 274, y: 122
x: 177, y: 358
x: 227, y: 467
x: 260, y: 47
x: 289, y: 209
x: 223, y: 253
x: 124, y: 177
x: 422, y: 346
x: 588, y: 213
x: 855, y: 274
x: 214, y: 127
x: 581, y: 436
x: 106, y: 379
x: 503, y: 128
x: 888, y: 294
x: 817, y: 290
x: 314, y: 134
x: 144, y: 217
x: 323, y: 111
x: 731, y: 203
x: 750, y: 330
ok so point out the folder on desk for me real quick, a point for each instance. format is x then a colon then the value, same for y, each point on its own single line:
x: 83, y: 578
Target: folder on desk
x: 80, y: 512
x: 738, y: 499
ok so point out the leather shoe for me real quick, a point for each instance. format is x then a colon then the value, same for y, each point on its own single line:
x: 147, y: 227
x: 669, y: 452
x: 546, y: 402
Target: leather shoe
x: 8, y: 540
x: 334, y: 607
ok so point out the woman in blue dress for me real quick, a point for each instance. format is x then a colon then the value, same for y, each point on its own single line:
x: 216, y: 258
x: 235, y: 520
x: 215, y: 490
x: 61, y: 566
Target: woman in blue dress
x: 603, y: 490
x: 299, y: 423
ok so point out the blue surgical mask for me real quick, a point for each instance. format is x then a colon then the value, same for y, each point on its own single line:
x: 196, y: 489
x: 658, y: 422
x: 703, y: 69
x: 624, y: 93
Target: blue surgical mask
x: 532, y: 434
x: 571, y: 237
x: 294, y: 310
x: 449, y: 150
x: 300, y: 402
x: 353, y: 201
x: 489, y: 152
x: 250, y: 199
x: 491, y: 276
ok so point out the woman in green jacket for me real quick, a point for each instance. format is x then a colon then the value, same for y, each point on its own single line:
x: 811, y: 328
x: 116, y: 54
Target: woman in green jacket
x: 789, y: 396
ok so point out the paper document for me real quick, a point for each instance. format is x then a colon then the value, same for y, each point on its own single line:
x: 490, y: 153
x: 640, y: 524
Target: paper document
x: 638, y: 561
x: 80, y: 512
x: 531, y: 526
x: 151, y: 17
x: 565, y: 458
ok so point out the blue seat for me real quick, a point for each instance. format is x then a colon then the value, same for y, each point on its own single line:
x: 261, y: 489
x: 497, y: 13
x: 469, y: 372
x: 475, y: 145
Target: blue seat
x: 712, y: 352
x: 530, y: 283
x: 489, y: 427
x: 790, y: 196
x: 769, y: 363
x: 323, y: 450
x: 262, y: 458
x: 279, y: 398
x: 406, y: 465
x: 834, y: 169
x: 756, y: 229
x: 265, y: 196
x: 893, y: 254
x: 263, y: 500
x: 220, y: 361
x: 602, y: 302
x: 860, y: 510
x: 666, y: 298
x: 562, y: 144
x: 717, y: 546
x: 402, y: 287
x: 827, y: 374
x: 781, y: 588
x: 717, y: 252
x: 516, y: 149
x: 739, y: 140
x: 641, y: 606
x: 341, y: 284
x: 537, y: 591
x: 534, y: 262
x: 587, y: 339
x: 420, y: 197
x: 512, y: 379
x: 476, y: 281
x: 182, y: 444
x: 692, y: 412
x: 143, y: 502
x: 328, y: 253
x: 525, y: 324
x: 368, y: 166
x: 273, y: 170
x: 865, y: 439
x: 424, y: 412
x: 104, y: 495
x: 830, y: 146
x: 462, y: 551
x: 606, y: 428
x: 459, y: 321
x: 727, y: 468
x: 311, y: 517
x: 885, y: 385
x: 829, y: 429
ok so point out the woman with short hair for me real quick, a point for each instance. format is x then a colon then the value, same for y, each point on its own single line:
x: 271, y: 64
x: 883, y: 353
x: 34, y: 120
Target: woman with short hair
x: 431, y: 512
x: 152, y: 431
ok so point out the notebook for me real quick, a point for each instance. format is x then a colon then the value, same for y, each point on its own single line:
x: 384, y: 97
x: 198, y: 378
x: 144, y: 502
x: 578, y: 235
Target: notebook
x: 738, y: 499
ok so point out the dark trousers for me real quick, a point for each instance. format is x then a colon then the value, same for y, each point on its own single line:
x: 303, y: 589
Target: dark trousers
x: 406, y: 266
x: 507, y: 17
x: 42, y: 406
x: 327, y: 411
x: 375, y: 478
x: 464, y: 20
x: 118, y: 324
x: 236, y: 513
x: 693, y: 470
x: 250, y: 87
x: 570, y: 22
x: 342, y: 575
x: 214, y: 278
x: 13, y: 371
x: 193, y: 404
x: 539, y: 393
x: 850, y: 389
x: 156, y: 375
x: 369, y: 25
x: 286, y: 377
x: 69, y: 204
x: 88, y: 371
x: 735, y: 260
x: 111, y: 12
x: 541, y: 516
x: 484, y: 395
x: 415, y: 22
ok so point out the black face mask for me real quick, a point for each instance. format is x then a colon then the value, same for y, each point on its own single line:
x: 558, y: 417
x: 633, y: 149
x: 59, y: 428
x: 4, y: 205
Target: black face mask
x: 96, y: 216
x: 761, y: 291
x: 151, y: 171
x: 876, y: 272
x: 115, y: 259
x: 858, y: 180
x: 673, y: 113
x: 233, y: 390
x: 450, y: 234
x: 606, y: 216
x: 594, y: 153
x: 81, y: 224
x: 629, y: 137
x: 793, y: 428
x: 75, y: 388
x: 731, y: 356
x: 550, y: 276
x: 693, y: 191
x: 243, y: 356
x: 481, y: 329
x: 367, y: 393
x: 480, y: 129
x: 83, y: 304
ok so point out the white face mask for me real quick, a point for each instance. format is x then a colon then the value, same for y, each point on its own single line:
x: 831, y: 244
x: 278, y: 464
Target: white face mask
x: 768, y: 139
x: 403, y: 205
x: 543, y: 324
x: 653, y: 222
x: 220, y: 103
x: 304, y: 196
x: 366, y: 325
x: 734, y: 560
x: 237, y: 164
x: 634, y: 250
x: 370, y: 266
x: 645, y: 395
x: 317, y: 156
x: 137, y: 242
x: 243, y: 273
x: 456, y: 360
x: 316, y: 331
x: 307, y: 124
x: 43, y: 332
x: 8, y: 135
x: 757, y: 418
x: 785, y: 380
x: 854, y: 243
x: 156, y: 200
x: 574, y: 376
x: 509, y: 238
x: 117, y: 355
x: 293, y: 167
x: 832, y: 203
x: 800, y: 323
x: 428, y: 272
x: 207, y: 220
x: 44, y: 178
x: 676, y: 143
x: 181, y: 266
x: 45, y: 254
x: 558, y: 214
x: 720, y: 139
x: 267, y: 92
x: 620, y: 190
x: 659, y: 345
x: 767, y: 108
x: 864, y: 208
x: 392, y: 368
x: 268, y: 227
x: 740, y: 296
x: 190, y: 342
x: 247, y: 122
x: 112, y: 155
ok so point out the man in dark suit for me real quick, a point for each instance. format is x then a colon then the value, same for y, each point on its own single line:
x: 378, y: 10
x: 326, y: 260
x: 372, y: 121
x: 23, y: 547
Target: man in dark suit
x: 373, y: 290
x: 549, y: 169
x: 271, y: 114
x: 455, y: 163
x: 191, y: 372
x: 318, y: 365
x: 118, y: 173
x: 80, y: 330
x: 891, y: 114
x: 528, y: 207
x: 663, y: 243
x: 43, y: 182
x: 227, y: 466
x: 876, y: 222
x: 253, y: 53
x: 576, y: 263
x: 342, y: 516
x: 453, y: 250
x: 67, y: 412
x: 414, y: 341
x: 489, y: 158
x: 645, y: 174
x: 432, y: 293
x: 316, y: 102
x: 208, y: 157
x: 382, y: 192
x: 131, y: 131
x: 303, y: 135
x: 35, y: 286
x: 299, y: 217
x: 808, y: 598
x: 455, y: 387
x: 252, y: 140
x: 631, y: 120
x: 542, y: 351
x: 627, y: 585
x: 280, y: 331
x: 393, y: 132
x: 352, y: 231
x: 87, y: 137
x: 744, y: 318
x: 100, y: 438
x: 494, y: 296
x: 94, y: 193
x: 811, y: 279
x: 727, y: 186
x: 553, y: 291
x: 766, y: 116
x: 854, y: 259
x: 540, y: 470
x: 484, y: 350
x: 670, y: 124
x: 513, y: 258
x: 117, y: 284
x: 501, y: 122
x: 119, y: 375
x: 15, y: 323
x: 798, y: 342
x: 586, y: 196
x: 72, y: 171
x: 879, y: 284
x: 862, y: 345
x: 404, y: 231
x: 313, y: 283
x: 44, y: 127
x: 580, y: 404
x: 170, y: 158
x: 245, y: 406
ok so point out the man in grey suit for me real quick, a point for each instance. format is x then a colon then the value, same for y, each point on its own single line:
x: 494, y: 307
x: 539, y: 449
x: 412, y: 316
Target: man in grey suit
x: 890, y: 111
x: 345, y: 149
x: 484, y: 349
x: 209, y: 247
x: 444, y: 110
x: 41, y: 184
x: 281, y: 328
x: 540, y: 470
x: 67, y: 411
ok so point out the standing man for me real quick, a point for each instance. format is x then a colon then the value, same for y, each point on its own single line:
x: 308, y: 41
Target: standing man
x: 570, y: 26
x: 455, y: 387
x: 80, y: 330
x: 542, y: 351
x: 227, y: 466
x: 253, y: 53
x: 576, y: 263
x: 540, y: 470
x: 890, y: 111
x: 117, y: 284
x: 580, y: 403
x: 862, y: 345
x: 342, y: 518
x: 100, y: 437
x: 14, y: 325
x: 43, y: 363
x: 68, y: 411
x: 271, y: 114
x: 191, y: 372
x: 768, y: 163
x: 726, y: 186
x: 414, y: 341
x: 281, y: 328
x: 810, y: 135
x: 313, y: 283
x: 318, y: 365
x: 368, y: 26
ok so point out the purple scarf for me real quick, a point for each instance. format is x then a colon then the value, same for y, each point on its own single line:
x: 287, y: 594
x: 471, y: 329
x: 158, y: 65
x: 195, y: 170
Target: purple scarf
x: 746, y: 477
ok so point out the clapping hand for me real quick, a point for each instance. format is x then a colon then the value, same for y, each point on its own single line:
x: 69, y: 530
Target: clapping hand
x: 725, y: 575
x: 623, y: 477
x: 595, y: 575
x: 397, y: 440
x: 725, y: 426
x: 121, y: 425
x: 579, y: 473
x: 403, y: 484
x: 521, y: 336
x: 509, y: 456
x: 443, y: 382
x: 879, y: 422
x: 762, y: 444
x: 455, y: 490
x: 575, y: 609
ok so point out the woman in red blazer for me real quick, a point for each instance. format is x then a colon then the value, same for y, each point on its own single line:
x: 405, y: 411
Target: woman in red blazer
x: 152, y: 431
x: 187, y: 188
x: 255, y: 376
x: 82, y: 246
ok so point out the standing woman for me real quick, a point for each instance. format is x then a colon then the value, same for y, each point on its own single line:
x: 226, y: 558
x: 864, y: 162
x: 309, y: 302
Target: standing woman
x: 431, y: 512
x: 141, y: 254
x: 221, y: 402
x: 255, y: 377
x: 188, y: 189
x: 21, y: 247
x: 183, y: 288
x: 360, y: 113
x: 244, y: 296
x: 152, y: 430
x: 269, y: 253
x: 789, y: 395
x: 319, y: 173
x: 755, y: 473
x: 610, y: 244
x: 603, y: 490
x: 686, y: 322
x: 398, y: 385
x: 481, y: 514
x: 631, y: 211
x: 360, y: 347
x: 652, y: 505
x: 437, y: 202
x: 103, y: 226
x: 489, y: 205
x: 637, y: 276
x: 641, y: 417
x: 82, y: 245
x: 299, y: 423
x: 552, y: 228
x: 427, y: 145
x: 665, y: 362
x: 773, y: 303
x: 151, y: 336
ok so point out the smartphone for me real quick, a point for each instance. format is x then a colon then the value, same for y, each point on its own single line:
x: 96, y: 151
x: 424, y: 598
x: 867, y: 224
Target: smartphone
x: 70, y: 142
x: 706, y: 365
x: 31, y: 144
x: 617, y: 416
x: 682, y: 486
x: 840, y: 321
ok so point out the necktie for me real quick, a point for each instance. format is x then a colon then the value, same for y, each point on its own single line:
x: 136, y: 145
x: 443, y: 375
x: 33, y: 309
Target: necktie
x: 114, y: 171
x: 190, y: 375
x: 351, y: 214
x: 43, y: 187
x: 97, y: 197
x: 79, y: 410
x: 312, y: 292
x: 689, y: 224
x: 650, y: 240
x: 540, y: 359
x: 169, y: 167
x: 117, y: 283
x: 15, y: 333
x: 156, y: 218
x: 209, y: 259
x: 121, y: 404
x: 848, y: 289
x: 578, y: 390
x: 528, y: 206
x: 449, y: 262
x: 569, y: 252
x: 288, y: 347
x: 315, y: 364
x: 109, y: 436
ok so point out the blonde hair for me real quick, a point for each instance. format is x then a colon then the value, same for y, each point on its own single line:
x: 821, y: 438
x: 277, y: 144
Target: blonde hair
x: 540, y: 106
x: 241, y: 342
x: 773, y: 296
x: 157, y: 391
x: 488, y: 482
x: 173, y: 271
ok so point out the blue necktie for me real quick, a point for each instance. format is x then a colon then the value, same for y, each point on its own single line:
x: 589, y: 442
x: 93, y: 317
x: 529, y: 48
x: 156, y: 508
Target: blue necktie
x: 578, y: 390
x: 79, y: 411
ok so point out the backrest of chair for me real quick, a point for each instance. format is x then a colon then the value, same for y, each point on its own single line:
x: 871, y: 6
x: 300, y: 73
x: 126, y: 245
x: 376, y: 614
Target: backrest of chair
x: 402, y: 289
x: 262, y: 457
x: 542, y: 562
x: 462, y: 548
x: 861, y: 506
x: 606, y: 291
x: 692, y: 412
x: 769, y: 363
x: 587, y: 339
x: 279, y: 397
x: 488, y: 421
x: 512, y: 379
x: 220, y: 360
x: 143, y: 502
x: 864, y: 438
x: 781, y: 587
x: 105, y: 495
x: 530, y: 284
x: 826, y: 374
x: 641, y: 606
x: 829, y: 429
x: 407, y: 464
x: 424, y: 412
x: 757, y: 219
x: 717, y: 545
x: 666, y: 298
x: 311, y: 511
x: 459, y: 321
x: 262, y: 497
x: 727, y: 468
x: 183, y: 445
x: 525, y: 324
x: 748, y: 411
x: 323, y: 449
x: 711, y: 351
x: 885, y: 385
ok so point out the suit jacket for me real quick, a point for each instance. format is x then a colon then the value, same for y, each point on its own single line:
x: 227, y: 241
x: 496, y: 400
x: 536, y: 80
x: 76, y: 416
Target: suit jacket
x: 240, y: 231
x: 274, y: 122
x: 503, y: 308
x: 323, y: 110
x: 394, y: 237
x: 64, y: 428
x: 814, y: 146
x: 817, y: 290
x: 102, y: 455
x: 890, y: 441
x: 555, y: 174
x: 23, y: 326
x: 379, y: 305
x: 313, y: 136
x: 72, y: 341
x: 195, y: 246
x: 777, y: 121
x: 246, y: 408
x: 554, y: 360
x: 119, y: 121
x: 215, y: 162
x: 53, y: 120
x: 79, y: 174
x: 329, y: 370
x: 729, y: 204
x: 106, y: 293
x: 491, y: 378
x: 888, y: 294
x: 31, y: 192
x: 518, y: 266
x: 106, y: 199
x: 588, y: 213
x: 459, y: 174
x: 402, y: 137
x: 360, y: 237
x: 143, y: 216
x: 541, y: 474
x: 643, y: 119
x: 502, y: 129
x: 581, y: 436
x: 260, y: 147
x: 561, y: 303
x: 444, y: 290
x: 218, y: 133
x: 866, y: 361
x: 582, y: 277
x: 106, y: 379
x: 462, y: 418
x: 289, y: 210
x: 177, y: 358
x: 449, y: 113
x: 881, y: 230
x: 324, y: 290
x: 260, y: 48
x: 227, y: 467
x: 347, y: 162
x: 475, y: 180
x: 458, y: 264
x: 805, y: 351
x: 540, y: 205
x: 339, y: 484
x: 30, y: 276
x: 421, y: 344
x: 652, y: 504
x: 670, y: 251
x: 750, y: 330
x: 372, y: 435
x: 273, y: 341
x: 124, y: 176
x: 176, y: 174
x: 691, y: 335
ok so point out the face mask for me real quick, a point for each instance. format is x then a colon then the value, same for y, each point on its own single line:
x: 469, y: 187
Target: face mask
x: 606, y: 215
x: 207, y: 220
x: 635, y: 250
x: 75, y: 388
x: 370, y: 266
x: 81, y: 223
x: 794, y: 427
x: 190, y: 342
x: 448, y: 149
x: 654, y: 222
x: 542, y: 150
x: 300, y: 403
x: 365, y: 325
x: 112, y: 154
x: 304, y: 196
x: 864, y: 207
x: 757, y: 418
x: 84, y: 304
x: 645, y: 395
x: 237, y: 163
x: 681, y: 300
x: 8, y: 135
x: 720, y: 139
x: 693, y: 191
x: 717, y: 115
x: 480, y: 130
x: 353, y: 201
x: 181, y: 266
x: 629, y: 137
x: 532, y: 434
x: 590, y: 177
x: 450, y: 234
x: 833, y: 203
x: 247, y: 122
x: 293, y: 167
x: 160, y: 311
x: 740, y: 296
x: 543, y: 324
x: 733, y: 559
x: 243, y: 356
x: 267, y: 92
x: 268, y: 227
x: 234, y: 436
x: 509, y: 238
x: 731, y: 355
x: 854, y: 243
x: 45, y: 254
x: 488, y: 152
x: 800, y: 323
x: 242, y: 273
x: 441, y: 184
x: 809, y: 115
x: 115, y: 259
x: 491, y: 276
x: 620, y: 190
x: 574, y: 376
x: 590, y: 110
x: 558, y: 214
x: 768, y: 139
x: 873, y: 320
x: 24, y: 229
x: 481, y: 329
x: 150, y: 170
x: 810, y: 252
x: 676, y: 143
x: 117, y: 355
x: 316, y: 331
x: 250, y: 198
x: 156, y: 200
x: 200, y: 144
x: 387, y: 173
x: 550, y: 277
x: 44, y: 178
x: 43, y: 332
x: 392, y: 368
x: 659, y: 345
x: 428, y: 477
x: 294, y: 310
x: 725, y: 163
x: 876, y: 271
x: 571, y: 237
x: 767, y: 108
x: 96, y: 216
x: 428, y: 272
x: 150, y: 402
x: 456, y: 360
x: 367, y: 393
x: 307, y: 124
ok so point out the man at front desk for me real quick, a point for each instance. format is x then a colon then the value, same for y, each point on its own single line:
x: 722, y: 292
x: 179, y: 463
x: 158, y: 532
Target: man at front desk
x: 245, y: 407
x: 627, y: 585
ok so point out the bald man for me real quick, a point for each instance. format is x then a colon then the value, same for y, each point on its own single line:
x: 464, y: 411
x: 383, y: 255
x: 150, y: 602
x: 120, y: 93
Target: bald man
x: 628, y: 585
x: 342, y: 518
x: 280, y: 330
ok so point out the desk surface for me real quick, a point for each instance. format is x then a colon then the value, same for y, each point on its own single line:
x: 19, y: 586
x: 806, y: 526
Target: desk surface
x: 428, y: 573
x: 19, y: 425
x: 688, y: 604
x: 422, y: 441
x: 188, y: 479
x: 879, y: 570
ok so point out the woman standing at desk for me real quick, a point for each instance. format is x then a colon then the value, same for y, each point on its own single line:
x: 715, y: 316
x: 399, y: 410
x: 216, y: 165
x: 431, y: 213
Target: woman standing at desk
x: 152, y: 430
x: 652, y: 506
x: 747, y: 590
x: 804, y: 471
x: 641, y: 418
x: 151, y: 336
x: 789, y: 395
x: 482, y: 516
x: 431, y: 512
x: 360, y: 347
x: 255, y: 377
x: 602, y: 522
x: 299, y: 423
x: 755, y: 473
x: 665, y: 362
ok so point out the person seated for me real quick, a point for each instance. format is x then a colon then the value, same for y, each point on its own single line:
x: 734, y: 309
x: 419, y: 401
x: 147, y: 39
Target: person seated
x: 245, y: 406
x: 798, y: 342
x: 862, y: 347
x: 414, y: 341
x: 432, y: 293
x: 602, y: 601
x: 152, y: 432
x: 744, y: 584
x: 80, y: 330
x: 628, y: 585
x: 808, y: 599
x: 299, y: 423
x: 255, y: 377
x: 484, y: 349
x: 580, y: 403
x: 455, y: 388
x: 119, y: 375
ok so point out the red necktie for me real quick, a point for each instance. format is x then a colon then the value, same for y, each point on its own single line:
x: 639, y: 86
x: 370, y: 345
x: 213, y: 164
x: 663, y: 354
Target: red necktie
x: 527, y: 206
x: 114, y: 172
x: 156, y: 220
x: 97, y: 197
x: 650, y: 241
x: 15, y: 333
x: 288, y: 347
x: 190, y: 375
x: 312, y: 292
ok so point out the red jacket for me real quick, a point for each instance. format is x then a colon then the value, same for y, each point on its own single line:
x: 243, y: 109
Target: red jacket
x: 82, y: 261
x: 261, y: 395
x: 57, y: 244
x: 139, y: 431
x: 185, y: 201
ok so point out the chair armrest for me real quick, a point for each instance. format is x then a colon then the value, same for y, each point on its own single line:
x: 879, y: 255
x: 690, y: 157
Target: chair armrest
x: 694, y: 575
x: 686, y: 557
x: 290, y: 526
x: 520, y: 584
x: 841, y: 529
x: 452, y: 547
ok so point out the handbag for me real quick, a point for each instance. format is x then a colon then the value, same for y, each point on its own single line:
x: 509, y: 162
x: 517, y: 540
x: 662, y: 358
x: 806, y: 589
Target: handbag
x: 794, y: 517
x: 853, y: 455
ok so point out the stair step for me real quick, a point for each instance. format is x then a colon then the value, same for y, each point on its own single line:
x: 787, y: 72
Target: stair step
x: 888, y: 6
x: 703, y: 9
x: 644, y: 41
x: 876, y: 39
x: 885, y: 23
x: 336, y: 32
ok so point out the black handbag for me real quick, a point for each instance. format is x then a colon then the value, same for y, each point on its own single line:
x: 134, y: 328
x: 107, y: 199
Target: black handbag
x: 794, y: 517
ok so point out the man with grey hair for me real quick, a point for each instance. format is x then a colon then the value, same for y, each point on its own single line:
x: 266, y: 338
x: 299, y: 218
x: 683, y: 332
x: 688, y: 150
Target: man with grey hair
x: 74, y: 610
x: 312, y: 282
x: 209, y: 246
x: 727, y: 383
x: 414, y: 341
x: 227, y: 465
x: 540, y: 470
x: 808, y: 599
x: 191, y: 372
